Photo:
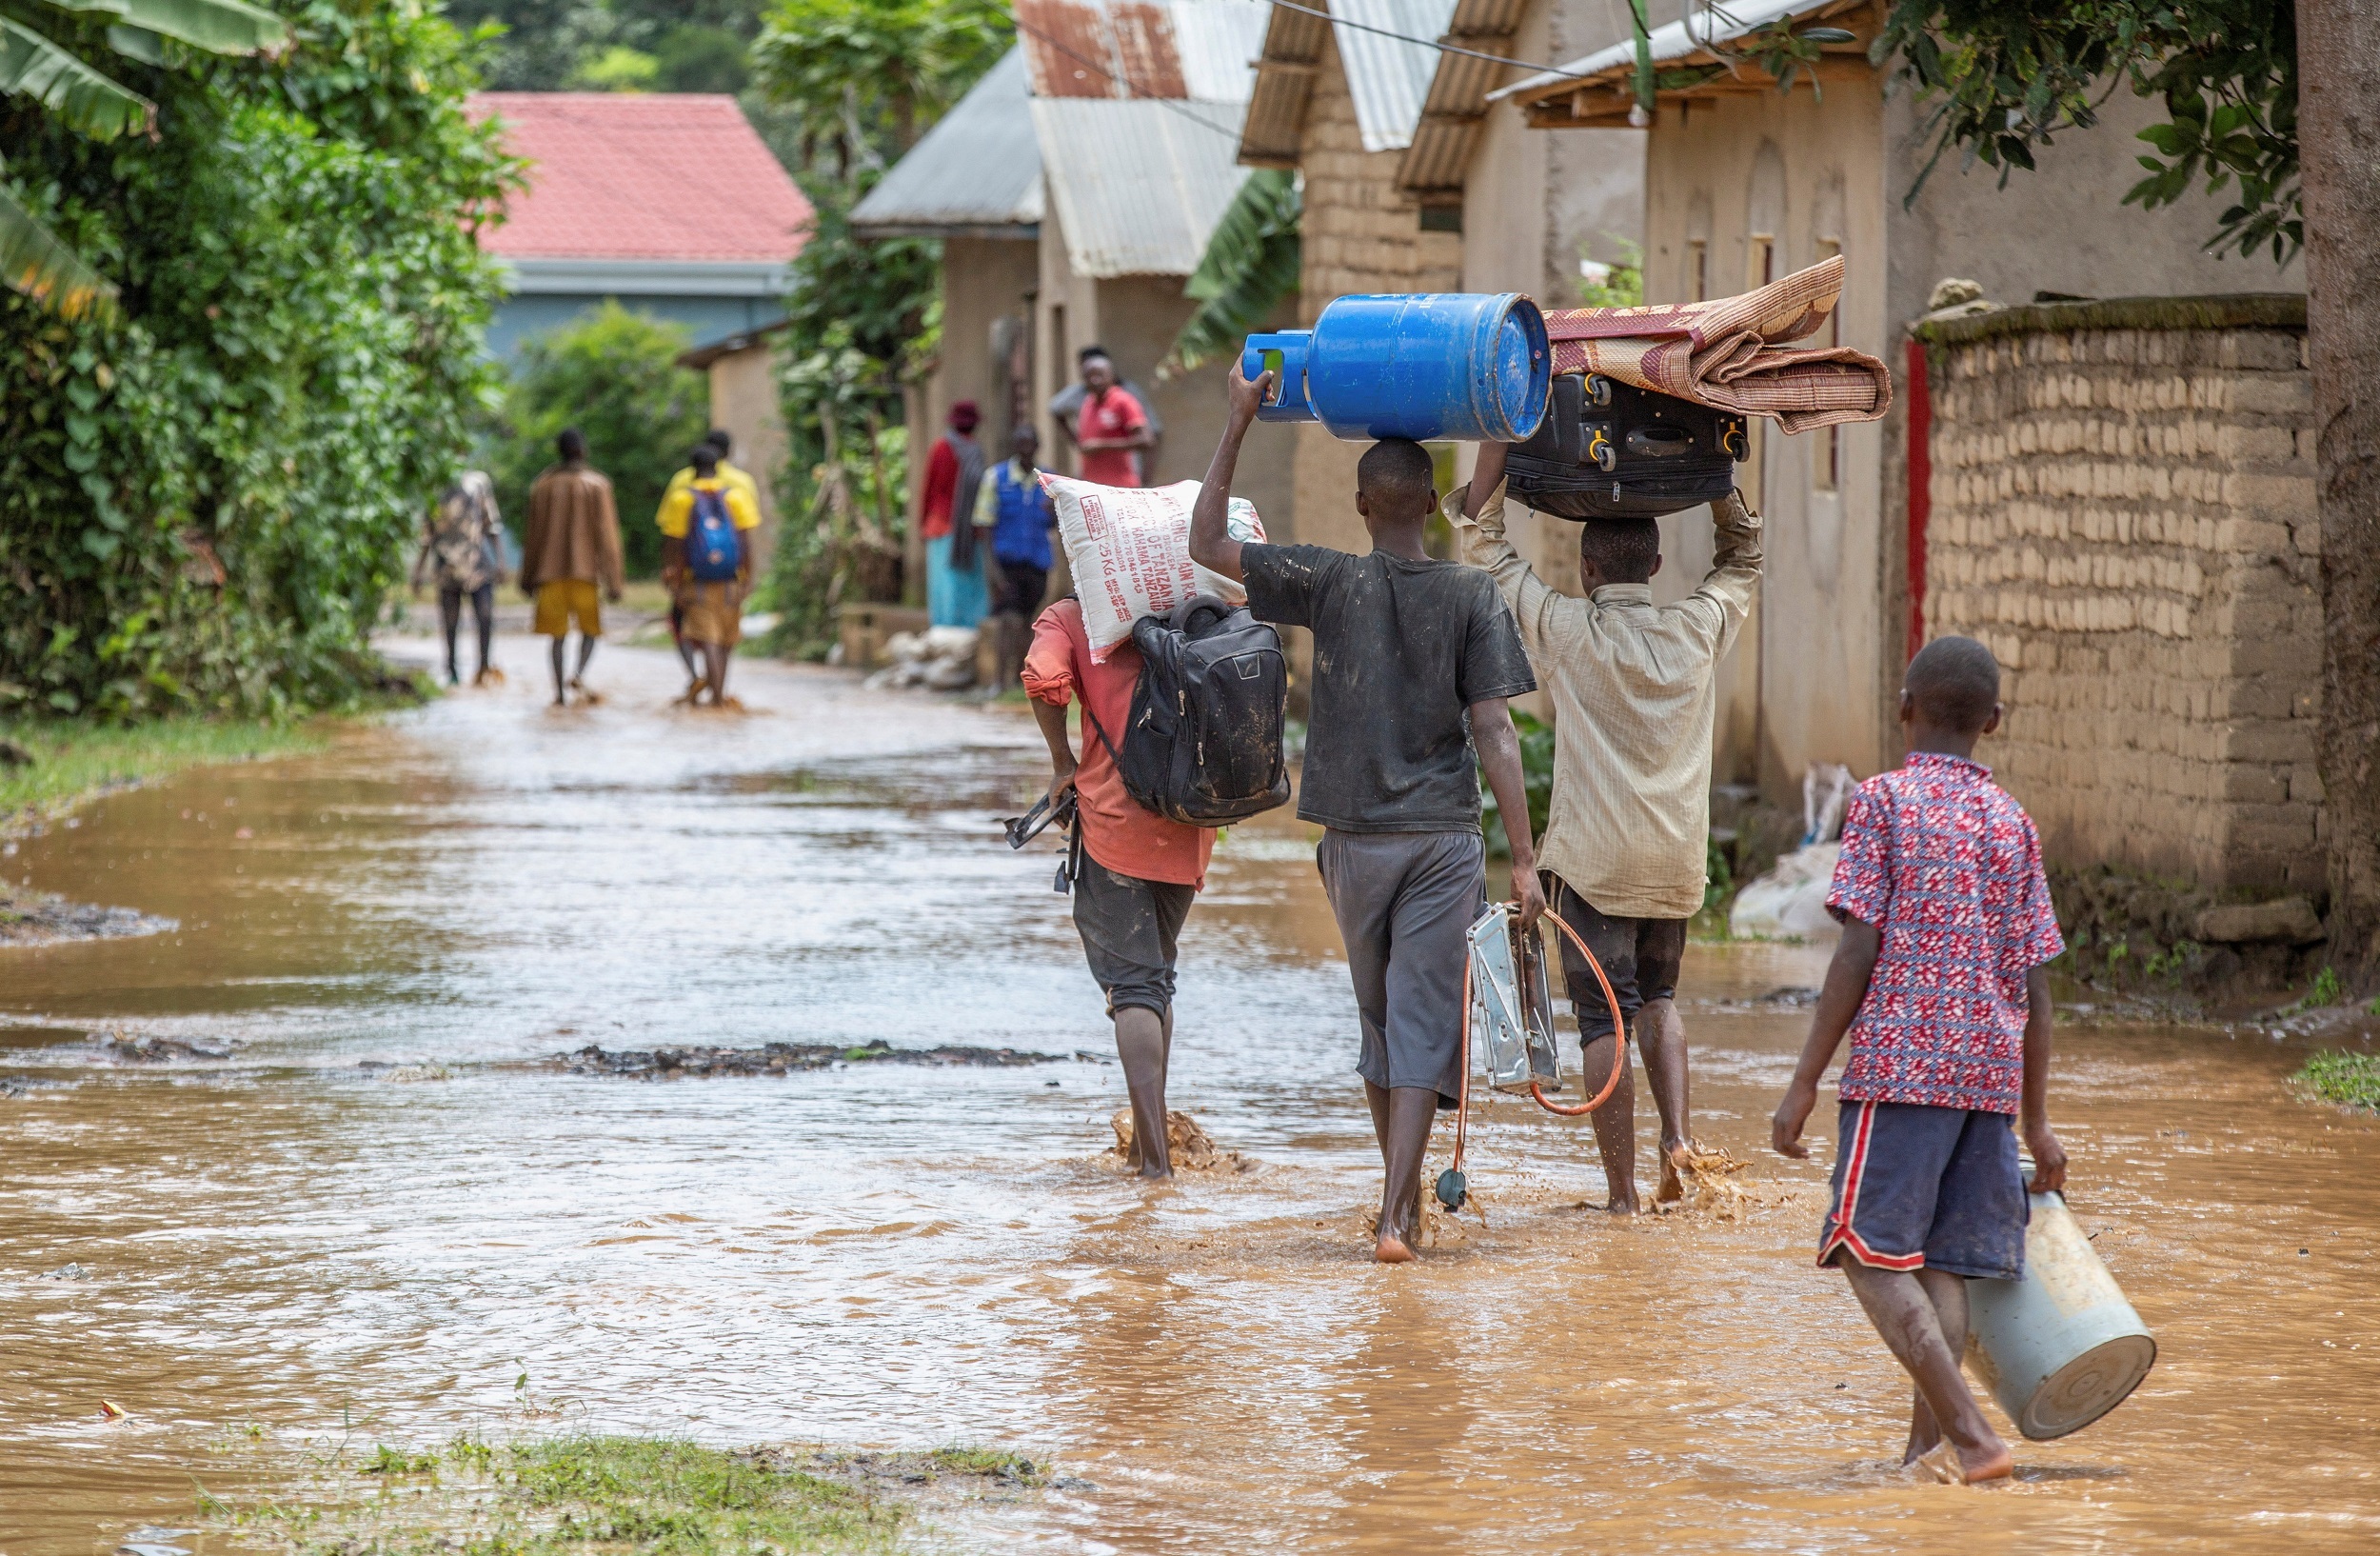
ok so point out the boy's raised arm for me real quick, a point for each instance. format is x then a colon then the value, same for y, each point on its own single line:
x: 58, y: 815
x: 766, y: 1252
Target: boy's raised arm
x: 1839, y: 1002
x: 1211, y: 544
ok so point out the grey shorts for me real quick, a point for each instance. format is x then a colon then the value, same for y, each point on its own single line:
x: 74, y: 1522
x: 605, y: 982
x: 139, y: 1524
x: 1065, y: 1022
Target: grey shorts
x: 1405, y: 901
x: 1129, y: 928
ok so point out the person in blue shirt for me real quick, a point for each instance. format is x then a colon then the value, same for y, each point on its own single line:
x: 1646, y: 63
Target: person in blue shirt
x: 1013, y: 507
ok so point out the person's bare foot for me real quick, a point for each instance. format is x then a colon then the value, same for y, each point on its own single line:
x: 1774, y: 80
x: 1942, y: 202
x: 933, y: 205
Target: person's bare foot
x: 1620, y: 1204
x: 1391, y: 1251
x: 1155, y: 1174
x: 1675, y: 1156
x: 1945, y: 1463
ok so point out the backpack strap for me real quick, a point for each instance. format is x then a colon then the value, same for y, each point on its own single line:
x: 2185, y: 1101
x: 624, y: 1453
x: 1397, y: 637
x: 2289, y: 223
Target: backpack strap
x: 1099, y: 729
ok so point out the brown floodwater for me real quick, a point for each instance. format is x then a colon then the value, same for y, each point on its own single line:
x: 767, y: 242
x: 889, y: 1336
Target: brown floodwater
x: 366, y: 1224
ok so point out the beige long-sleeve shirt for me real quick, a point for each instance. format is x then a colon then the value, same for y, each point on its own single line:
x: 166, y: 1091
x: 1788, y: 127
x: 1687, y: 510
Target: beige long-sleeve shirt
x: 573, y: 530
x: 1632, y: 703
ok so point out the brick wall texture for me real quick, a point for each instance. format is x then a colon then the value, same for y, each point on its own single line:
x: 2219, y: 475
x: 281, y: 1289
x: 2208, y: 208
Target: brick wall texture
x: 2127, y: 518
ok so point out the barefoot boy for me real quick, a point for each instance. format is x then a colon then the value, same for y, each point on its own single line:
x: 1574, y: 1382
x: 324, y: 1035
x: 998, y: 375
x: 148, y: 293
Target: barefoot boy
x: 1141, y: 870
x: 1414, y: 660
x: 1627, y: 841
x: 1938, y: 978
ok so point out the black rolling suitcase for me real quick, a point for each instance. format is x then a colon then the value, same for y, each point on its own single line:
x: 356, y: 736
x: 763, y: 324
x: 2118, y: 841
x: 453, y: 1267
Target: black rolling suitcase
x: 1611, y: 450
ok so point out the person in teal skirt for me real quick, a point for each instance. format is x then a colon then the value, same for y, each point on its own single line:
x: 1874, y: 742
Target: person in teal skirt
x: 956, y: 591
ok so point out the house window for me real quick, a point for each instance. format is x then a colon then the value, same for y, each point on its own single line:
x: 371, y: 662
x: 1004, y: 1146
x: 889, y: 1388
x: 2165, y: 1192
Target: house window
x: 1827, y: 470
x: 1442, y: 218
x: 1697, y: 269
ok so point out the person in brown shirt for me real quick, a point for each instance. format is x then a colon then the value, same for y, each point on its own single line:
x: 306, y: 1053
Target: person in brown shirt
x: 571, y: 546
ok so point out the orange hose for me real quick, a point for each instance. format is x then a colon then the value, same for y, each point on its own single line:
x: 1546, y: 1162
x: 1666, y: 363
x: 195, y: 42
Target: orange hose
x: 1611, y: 1082
x: 1619, y: 1031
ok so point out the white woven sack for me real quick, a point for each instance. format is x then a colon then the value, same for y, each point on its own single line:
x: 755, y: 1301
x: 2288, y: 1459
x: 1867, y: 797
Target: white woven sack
x: 1130, y: 551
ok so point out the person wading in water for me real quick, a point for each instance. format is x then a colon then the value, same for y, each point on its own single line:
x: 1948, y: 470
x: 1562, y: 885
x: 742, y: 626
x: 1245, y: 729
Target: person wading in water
x: 570, y: 548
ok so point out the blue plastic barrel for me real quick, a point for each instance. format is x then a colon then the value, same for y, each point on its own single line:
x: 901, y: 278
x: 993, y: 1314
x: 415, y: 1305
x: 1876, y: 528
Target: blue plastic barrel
x: 1468, y: 365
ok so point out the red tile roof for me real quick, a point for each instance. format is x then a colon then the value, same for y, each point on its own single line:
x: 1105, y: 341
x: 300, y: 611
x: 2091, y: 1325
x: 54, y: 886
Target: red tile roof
x: 619, y: 175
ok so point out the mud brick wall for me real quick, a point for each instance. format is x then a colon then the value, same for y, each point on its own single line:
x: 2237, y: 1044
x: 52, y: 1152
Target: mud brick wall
x: 2123, y: 508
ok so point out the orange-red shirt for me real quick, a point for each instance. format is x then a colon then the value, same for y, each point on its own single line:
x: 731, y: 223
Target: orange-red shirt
x: 1115, y: 415
x: 1116, y: 831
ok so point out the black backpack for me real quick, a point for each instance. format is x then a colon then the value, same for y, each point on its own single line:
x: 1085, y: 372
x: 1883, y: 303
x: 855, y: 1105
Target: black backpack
x: 1608, y: 450
x: 1204, y: 747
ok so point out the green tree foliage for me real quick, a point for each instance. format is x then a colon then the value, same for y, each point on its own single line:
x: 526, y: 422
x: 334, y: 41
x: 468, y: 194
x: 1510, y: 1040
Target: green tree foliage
x: 1251, y: 264
x: 203, y: 501
x: 616, y: 45
x: 614, y: 375
x: 865, y: 78
x: 47, y: 72
x: 2003, y: 77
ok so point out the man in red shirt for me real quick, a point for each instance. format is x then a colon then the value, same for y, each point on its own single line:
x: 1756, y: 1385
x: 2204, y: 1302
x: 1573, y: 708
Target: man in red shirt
x: 1141, y: 870
x: 1110, y: 426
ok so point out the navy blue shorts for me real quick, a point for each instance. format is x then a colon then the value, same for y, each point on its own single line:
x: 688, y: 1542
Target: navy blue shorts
x: 1926, y: 1188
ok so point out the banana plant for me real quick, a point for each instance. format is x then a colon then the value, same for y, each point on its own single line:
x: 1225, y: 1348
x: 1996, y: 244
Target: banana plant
x: 83, y: 98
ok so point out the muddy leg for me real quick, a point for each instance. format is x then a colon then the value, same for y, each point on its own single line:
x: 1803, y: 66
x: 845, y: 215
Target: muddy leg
x: 1662, y: 1036
x: 450, y: 623
x: 1401, y: 1119
x: 1948, y: 1292
x: 1614, y: 1122
x: 715, y: 669
x: 484, y: 623
x: 1903, y: 1312
x: 587, y: 651
x: 1140, y: 1043
x: 558, y: 672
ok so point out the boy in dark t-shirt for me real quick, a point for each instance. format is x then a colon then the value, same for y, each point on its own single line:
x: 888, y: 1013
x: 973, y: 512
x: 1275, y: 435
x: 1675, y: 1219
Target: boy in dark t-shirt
x: 1414, y: 660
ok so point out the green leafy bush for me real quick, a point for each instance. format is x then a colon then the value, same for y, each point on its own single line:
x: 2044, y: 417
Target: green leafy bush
x: 204, y: 500
x: 2352, y: 1079
x: 1537, y: 767
x: 614, y: 375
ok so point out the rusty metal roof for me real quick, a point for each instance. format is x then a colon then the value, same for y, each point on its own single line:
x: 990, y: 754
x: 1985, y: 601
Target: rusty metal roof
x: 1137, y: 107
x: 976, y: 173
x: 1440, y: 154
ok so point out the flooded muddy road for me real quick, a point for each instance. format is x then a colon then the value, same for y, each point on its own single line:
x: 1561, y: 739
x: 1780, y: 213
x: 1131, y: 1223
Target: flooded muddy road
x: 365, y: 1223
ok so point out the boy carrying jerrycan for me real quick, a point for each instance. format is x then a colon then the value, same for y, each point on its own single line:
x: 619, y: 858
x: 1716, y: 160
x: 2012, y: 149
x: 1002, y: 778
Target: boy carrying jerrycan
x: 712, y: 519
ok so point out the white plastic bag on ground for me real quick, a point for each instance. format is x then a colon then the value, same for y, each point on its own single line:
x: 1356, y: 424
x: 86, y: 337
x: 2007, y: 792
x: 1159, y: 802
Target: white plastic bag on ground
x: 1789, y: 901
x: 1130, y: 551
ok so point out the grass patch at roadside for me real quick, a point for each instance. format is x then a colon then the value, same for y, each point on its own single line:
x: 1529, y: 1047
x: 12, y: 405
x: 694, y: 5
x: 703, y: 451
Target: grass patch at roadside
x: 70, y: 760
x: 2352, y: 1079
x: 572, y: 1495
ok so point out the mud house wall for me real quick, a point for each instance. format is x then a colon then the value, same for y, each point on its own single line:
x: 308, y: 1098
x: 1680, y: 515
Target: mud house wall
x: 2127, y: 518
x: 1359, y: 233
x: 1804, y: 177
x: 743, y: 401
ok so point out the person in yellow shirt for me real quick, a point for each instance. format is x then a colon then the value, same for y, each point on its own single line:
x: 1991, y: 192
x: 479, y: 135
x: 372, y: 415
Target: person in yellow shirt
x: 718, y: 438
x: 711, y: 520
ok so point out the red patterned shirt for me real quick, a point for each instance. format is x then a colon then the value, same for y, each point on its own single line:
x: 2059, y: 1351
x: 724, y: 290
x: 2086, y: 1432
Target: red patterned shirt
x: 1948, y: 867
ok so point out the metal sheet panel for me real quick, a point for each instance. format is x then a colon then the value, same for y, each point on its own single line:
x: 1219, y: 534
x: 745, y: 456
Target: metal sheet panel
x: 1274, y: 135
x: 1678, y: 40
x: 1389, y: 77
x: 1139, y: 185
x: 1217, y: 40
x: 979, y: 166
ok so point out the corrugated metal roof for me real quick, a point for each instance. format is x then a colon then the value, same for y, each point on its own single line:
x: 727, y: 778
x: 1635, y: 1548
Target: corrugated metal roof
x: 978, y: 170
x: 1452, y: 113
x: 1388, y: 77
x: 1680, y: 40
x: 1139, y: 186
x: 1128, y: 48
x: 1273, y: 134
